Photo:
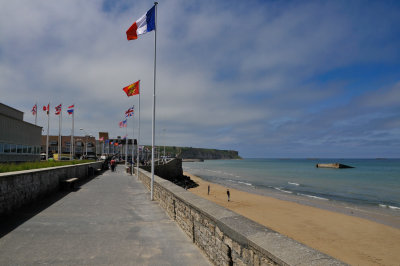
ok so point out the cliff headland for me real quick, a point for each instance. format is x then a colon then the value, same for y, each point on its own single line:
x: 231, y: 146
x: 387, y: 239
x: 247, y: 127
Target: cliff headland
x: 207, y: 154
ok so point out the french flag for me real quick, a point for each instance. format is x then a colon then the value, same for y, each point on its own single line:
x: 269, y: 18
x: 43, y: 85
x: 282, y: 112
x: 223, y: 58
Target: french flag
x: 143, y: 25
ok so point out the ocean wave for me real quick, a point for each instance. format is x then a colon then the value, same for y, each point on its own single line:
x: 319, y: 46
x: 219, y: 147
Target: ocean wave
x: 294, y: 184
x: 240, y: 182
x: 314, y: 197
x: 286, y: 191
x: 389, y: 207
x: 245, y: 183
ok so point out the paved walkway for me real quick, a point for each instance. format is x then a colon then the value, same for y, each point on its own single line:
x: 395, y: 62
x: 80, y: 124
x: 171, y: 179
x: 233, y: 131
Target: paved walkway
x: 107, y: 221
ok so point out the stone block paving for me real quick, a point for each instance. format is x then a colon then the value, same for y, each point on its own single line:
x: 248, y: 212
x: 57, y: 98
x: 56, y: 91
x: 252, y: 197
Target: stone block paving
x: 109, y: 220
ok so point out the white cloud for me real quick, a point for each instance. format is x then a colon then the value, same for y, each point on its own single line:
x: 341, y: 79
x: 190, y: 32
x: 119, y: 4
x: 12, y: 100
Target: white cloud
x: 227, y: 73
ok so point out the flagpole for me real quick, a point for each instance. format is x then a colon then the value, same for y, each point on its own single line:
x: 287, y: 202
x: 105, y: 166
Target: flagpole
x: 138, y: 150
x: 72, y: 146
x: 133, y: 142
x: 36, y: 114
x: 59, y: 135
x: 126, y: 144
x: 154, y: 107
x: 48, y: 126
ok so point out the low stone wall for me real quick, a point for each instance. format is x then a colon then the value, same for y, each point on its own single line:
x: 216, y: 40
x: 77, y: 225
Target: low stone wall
x: 22, y: 187
x: 226, y: 237
x: 171, y: 170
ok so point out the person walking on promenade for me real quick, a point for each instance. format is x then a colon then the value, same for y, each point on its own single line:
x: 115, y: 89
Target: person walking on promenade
x: 208, y: 192
x: 229, y: 194
x: 112, y: 163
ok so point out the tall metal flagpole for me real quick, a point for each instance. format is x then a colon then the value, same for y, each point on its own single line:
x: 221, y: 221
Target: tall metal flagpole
x: 48, y: 126
x: 154, y: 107
x: 59, y: 134
x: 133, y: 141
x: 72, y: 146
x: 138, y: 139
x: 36, y: 113
x: 126, y: 143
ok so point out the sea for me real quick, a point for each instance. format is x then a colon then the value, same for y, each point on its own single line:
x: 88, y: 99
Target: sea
x: 372, y: 182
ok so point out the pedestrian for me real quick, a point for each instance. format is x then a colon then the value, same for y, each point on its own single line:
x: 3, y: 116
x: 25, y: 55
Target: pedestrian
x: 229, y: 194
x: 112, y: 162
x: 208, y: 190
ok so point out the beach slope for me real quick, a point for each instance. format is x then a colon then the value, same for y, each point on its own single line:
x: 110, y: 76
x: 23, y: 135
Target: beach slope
x: 350, y: 239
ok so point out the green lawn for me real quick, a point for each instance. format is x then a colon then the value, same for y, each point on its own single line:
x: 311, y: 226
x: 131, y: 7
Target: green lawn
x: 11, y: 167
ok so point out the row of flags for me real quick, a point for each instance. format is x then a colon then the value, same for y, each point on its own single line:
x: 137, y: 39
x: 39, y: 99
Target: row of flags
x: 58, y: 108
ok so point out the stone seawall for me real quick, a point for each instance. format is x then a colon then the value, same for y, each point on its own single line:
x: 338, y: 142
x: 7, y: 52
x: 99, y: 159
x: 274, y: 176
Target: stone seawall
x: 226, y: 237
x: 22, y: 187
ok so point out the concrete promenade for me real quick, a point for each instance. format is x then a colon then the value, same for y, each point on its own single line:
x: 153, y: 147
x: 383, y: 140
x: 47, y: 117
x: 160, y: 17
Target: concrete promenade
x: 108, y: 220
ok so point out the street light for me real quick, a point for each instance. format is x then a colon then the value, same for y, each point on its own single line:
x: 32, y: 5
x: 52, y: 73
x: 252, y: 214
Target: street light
x: 164, y: 144
x: 86, y: 138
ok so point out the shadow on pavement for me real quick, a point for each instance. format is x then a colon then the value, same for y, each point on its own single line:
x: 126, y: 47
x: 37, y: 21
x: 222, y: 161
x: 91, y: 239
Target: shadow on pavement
x: 19, y: 216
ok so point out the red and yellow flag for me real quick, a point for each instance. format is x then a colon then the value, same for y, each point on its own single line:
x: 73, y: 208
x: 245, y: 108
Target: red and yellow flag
x: 132, y: 89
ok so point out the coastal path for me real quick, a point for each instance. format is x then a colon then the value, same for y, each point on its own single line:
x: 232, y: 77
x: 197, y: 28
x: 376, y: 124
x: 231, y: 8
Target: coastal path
x: 108, y: 220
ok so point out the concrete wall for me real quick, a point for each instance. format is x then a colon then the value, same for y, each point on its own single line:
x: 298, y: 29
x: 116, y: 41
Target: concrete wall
x: 22, y: 187
x: 226, y: 237
x: 171, y: 170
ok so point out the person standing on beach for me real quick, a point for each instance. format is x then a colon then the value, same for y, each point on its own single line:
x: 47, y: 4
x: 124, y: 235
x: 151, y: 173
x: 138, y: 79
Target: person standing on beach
x: 208, y: 190
x: 229, y: 194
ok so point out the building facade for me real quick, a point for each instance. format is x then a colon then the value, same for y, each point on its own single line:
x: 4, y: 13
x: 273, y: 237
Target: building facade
x: 19, y: 140
x: 83, y: 145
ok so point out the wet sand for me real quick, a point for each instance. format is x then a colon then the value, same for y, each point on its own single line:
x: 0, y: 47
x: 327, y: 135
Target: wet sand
x: 351, y: 239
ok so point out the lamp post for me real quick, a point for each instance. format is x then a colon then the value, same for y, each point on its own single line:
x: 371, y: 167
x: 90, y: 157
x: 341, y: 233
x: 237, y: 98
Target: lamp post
x: 86, y: 139
x: 164, y: 143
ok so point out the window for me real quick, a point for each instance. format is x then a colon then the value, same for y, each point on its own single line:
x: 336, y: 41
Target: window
x: 13, y: 148
x: 25, y: 150
x: 53, y: 142
x: 1, y: 147
x: 7, y: 148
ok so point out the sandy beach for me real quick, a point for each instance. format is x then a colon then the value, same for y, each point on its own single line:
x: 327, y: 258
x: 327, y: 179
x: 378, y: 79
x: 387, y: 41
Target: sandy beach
x: 353, y: 240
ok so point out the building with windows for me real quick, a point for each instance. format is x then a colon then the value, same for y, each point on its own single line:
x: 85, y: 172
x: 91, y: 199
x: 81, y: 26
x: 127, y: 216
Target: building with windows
x: 19, y: 140
x: 83, y: 145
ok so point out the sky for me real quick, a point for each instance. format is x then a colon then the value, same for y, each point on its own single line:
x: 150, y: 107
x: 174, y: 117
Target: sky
x: 273, y: 79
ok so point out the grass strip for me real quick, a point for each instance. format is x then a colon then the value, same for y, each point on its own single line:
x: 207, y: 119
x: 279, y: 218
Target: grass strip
x: 12, y: 167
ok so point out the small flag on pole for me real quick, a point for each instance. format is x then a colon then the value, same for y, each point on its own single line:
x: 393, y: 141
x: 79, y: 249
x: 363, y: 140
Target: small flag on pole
x: 132, y: 89
x: 58, y: 109
x: 71, y: 109
x: 144, y: 24
x: 129, y: 112
x: 123, y: 123
x: 46, y: 108
x: 34, y: 109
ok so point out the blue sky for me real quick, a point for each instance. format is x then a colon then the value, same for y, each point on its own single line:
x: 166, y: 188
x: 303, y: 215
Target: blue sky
x: 266, y: 78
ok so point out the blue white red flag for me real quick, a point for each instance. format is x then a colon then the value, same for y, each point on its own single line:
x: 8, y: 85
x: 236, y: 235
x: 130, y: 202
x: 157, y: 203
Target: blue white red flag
x: 144, y: 24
